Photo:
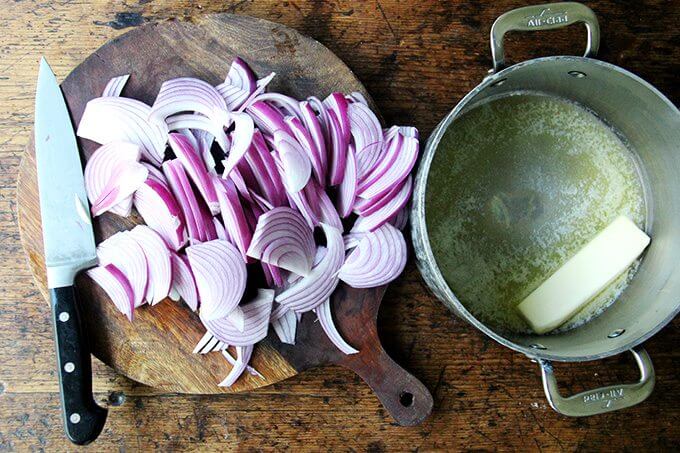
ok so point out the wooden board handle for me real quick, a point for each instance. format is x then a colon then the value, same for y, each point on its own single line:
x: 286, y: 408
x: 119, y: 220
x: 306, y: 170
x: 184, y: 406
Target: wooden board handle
x: 407, y: 400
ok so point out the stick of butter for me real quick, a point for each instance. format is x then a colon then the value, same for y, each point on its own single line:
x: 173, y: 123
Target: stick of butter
x: 581, y: 278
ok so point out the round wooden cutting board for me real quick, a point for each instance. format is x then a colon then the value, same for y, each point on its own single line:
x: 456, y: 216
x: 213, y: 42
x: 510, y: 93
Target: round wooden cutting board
x: 156, y: 349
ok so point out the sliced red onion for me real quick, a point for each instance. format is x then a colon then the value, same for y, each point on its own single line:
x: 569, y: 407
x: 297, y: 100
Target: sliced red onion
x: 256, y: 314
x: 323, y: 312
x: 327, y: 212
x: 116, y: 286
x: 181, y: 189
x: 337, y: 104
x: 367, y: 206
x: 196, y: 169
x: 267, y: 118
x: 355, y: 96
x: 200, y: 122
x: 261, y: 86
x: 347, y: 190
x: 126, y: 177
x: 241, y: 140
x: 110, y: 119
x: 283, y: 239
x: 264, y: 171
x: 99, y: 169
x: 313, y: 127
x: 338, y: 152
x: 186, y: 94
x: 208, y: 343
x: 233, y: 95
x: 364, y: 127
x: 378, y: 258
x: 241, y: 185
x: 312, y: 290
x: 306, y: 201
x: 286, y: 103
x: 241, y: 75
x: 322, y: 112
x: 115, y: 86
x: 227, y: 355
x: 394, y: 167
x: 400, y: 219
x: 296, y: 165
x: 351, y: 240
x: 220, y: 231
x: 159, y: 266
x: 409, y: 131
x: 243, y: 354
x: 386, y: 212
x: 308, y: 145
x: 233, y: 216
x: 220, y: 276
x: 183, y: 280
x: 126, y: 255
x: 160, y: 211
x: 284, y: 323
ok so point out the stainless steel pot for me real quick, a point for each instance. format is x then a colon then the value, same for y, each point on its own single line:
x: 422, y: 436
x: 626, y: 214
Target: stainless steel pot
x: 651, y: 124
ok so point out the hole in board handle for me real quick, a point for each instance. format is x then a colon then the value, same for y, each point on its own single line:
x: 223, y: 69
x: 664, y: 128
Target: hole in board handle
x: 406, y: 399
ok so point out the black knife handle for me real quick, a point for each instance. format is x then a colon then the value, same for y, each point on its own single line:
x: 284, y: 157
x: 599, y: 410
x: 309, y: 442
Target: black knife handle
x: 83, y: 418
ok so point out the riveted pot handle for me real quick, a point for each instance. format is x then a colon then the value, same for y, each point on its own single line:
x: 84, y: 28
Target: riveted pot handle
x: 603, y: 399
x: 543, y: 17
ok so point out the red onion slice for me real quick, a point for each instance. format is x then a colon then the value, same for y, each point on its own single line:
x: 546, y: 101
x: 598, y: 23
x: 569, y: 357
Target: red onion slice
x: 242, y: 138
x: 267, y: 118
x: 347, y: 190
x: 263, y: 168
x: 227, y: 355
x: 186, y: 94
x: 308, y: 145
x: 386, y: 212
x: 355, y: 96
x: 256, y: 314
x: 243, y: 354
x: 220, y: 276
x: 160, y: 211
x: 295, y: 163
x: 200, y: 122
x: 283, y: 239
x: 261, y: 86
x: 208, y: 343
x: 378, y: 258
x: 284, y: 323
x: 181, y: 189
x: 400, y: 219
x: 233, y: 95
x: 126, y: 177
x: 323, y: 312
x: 116, y: 286
x: 196, y: 169
x: 364, y: 127
x: 233, y: 216
x: 110, y: 119
x: 99, y: 169
x: 159, y: 266
x: 395, y: 166
x: 115, y: 86
x: 127, y: 256
x: 338, y: 152
x: 241, y: 75
x: 310, y: 291
x: 315, y: 130
x: 282, y: 102
x: 183, y: 280
x: 337, y: 103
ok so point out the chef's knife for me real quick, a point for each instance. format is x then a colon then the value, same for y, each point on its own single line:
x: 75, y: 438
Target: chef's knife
x: 69, y: 248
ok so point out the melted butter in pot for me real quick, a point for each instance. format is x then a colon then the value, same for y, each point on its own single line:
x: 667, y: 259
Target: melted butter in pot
x: 518, y: 185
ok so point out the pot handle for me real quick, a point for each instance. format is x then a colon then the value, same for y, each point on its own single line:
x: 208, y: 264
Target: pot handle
x: 543, y: 17
x: 603, y: 399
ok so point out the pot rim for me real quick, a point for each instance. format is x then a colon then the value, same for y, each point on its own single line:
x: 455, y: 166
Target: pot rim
x: 421, y: 240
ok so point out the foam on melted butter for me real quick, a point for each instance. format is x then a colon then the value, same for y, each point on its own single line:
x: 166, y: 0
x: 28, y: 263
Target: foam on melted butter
x: 516, y: 188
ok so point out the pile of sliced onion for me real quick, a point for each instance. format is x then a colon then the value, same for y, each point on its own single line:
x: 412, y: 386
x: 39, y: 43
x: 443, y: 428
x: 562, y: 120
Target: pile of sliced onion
x: 280, y: 169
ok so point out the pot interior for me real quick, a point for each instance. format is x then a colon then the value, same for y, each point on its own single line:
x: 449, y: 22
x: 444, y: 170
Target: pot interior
x: 650, y: 126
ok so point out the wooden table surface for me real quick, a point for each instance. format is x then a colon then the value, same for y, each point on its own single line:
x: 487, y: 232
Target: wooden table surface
x: 417, y: 59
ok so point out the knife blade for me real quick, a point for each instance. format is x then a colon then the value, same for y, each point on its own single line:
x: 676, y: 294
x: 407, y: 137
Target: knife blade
x: 69, y: 248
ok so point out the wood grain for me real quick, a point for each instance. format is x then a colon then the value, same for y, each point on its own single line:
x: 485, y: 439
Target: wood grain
x: 417, y: 59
